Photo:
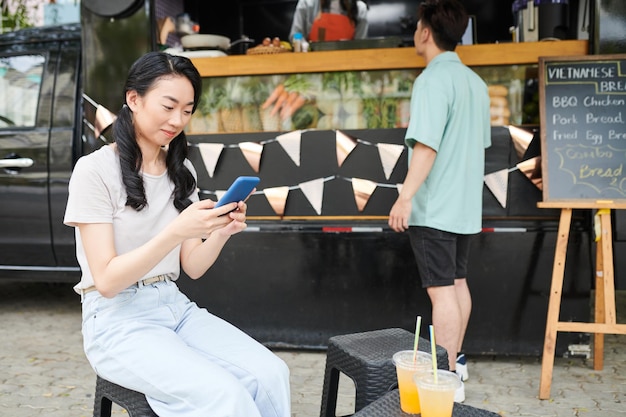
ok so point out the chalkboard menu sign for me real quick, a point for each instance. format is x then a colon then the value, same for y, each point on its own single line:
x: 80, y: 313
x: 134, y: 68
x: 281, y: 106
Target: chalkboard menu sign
x: 583, y: 129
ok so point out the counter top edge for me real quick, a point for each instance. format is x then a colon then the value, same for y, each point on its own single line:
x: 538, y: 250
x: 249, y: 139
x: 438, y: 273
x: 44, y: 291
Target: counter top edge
x: 382, y: 58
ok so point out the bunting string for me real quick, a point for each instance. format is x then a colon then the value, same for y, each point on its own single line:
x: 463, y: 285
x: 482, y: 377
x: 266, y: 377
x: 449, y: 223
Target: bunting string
x: 277, y: 138
x: 314, y: 192
x: 298, y: 187
x: 290, y: 142
x: 103, y: 119
x: 496, y: 182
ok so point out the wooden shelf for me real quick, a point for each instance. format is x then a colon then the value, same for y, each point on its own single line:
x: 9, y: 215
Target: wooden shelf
x: 382, y: 59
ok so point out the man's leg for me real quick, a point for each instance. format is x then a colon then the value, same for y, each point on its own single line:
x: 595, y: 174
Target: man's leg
x: 464, y: 298
x: 447, y: 320
x: 442, y: 256
x: 452, y: 306
x: 465, y: 306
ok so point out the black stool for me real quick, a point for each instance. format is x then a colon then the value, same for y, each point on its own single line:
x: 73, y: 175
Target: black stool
x: 367, y: 359
x: 389, y: 406
x: 108, y: 393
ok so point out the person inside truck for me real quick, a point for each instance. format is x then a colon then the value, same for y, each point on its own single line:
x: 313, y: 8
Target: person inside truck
x: 138, y: 219
x: 330, y: 20
x: 440, y: 202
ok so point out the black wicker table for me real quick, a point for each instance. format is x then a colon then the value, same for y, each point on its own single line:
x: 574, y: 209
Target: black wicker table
x: 366, y: 358
x: 389, y: 406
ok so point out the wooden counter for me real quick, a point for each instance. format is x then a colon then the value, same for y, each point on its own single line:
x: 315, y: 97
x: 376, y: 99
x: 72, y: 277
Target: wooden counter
x: 381, y: 59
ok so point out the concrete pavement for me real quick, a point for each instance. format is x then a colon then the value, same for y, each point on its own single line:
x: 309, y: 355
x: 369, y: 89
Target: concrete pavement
x: 43, y: 371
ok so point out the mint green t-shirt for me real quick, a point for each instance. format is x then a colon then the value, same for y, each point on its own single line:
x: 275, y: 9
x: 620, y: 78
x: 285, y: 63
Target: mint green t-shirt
x: 450, y: 114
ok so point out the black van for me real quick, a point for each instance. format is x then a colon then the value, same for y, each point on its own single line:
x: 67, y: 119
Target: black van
x: 39, y: 140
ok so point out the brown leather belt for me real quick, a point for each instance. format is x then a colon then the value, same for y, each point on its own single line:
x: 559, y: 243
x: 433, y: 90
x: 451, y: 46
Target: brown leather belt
x: 143, y: 282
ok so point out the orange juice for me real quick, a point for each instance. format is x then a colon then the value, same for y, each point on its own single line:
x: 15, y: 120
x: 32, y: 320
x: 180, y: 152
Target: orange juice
x: 437, y: 403
x: 406, y: 369
x: 409, y: 399
x: 437, y: 396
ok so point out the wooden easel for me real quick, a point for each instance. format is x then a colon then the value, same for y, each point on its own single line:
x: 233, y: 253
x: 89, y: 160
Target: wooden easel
x: 605, y: 316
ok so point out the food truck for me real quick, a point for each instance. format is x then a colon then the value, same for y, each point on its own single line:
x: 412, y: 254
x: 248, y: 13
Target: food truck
x: 324, y: 131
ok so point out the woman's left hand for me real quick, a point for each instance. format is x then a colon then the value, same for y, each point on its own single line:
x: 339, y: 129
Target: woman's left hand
x: 238, y: 222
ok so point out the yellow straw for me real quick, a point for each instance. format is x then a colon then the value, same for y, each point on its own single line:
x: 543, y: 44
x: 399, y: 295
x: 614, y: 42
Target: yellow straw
x: 417, y: 336
x: 433, y: 348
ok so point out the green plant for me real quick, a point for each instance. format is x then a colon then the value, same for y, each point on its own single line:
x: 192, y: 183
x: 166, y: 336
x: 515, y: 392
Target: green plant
x: 213, y: 96
x: 342, y: 82
x: 16, y: 17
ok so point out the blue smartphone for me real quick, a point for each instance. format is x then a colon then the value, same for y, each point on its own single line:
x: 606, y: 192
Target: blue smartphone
x: 238, y: 191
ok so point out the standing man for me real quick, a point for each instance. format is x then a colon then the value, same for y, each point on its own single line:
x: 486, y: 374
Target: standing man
x: 440, y: 202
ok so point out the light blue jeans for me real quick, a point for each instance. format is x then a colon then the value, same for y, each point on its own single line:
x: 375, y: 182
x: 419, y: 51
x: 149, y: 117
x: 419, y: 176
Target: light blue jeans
x: 186, y: 361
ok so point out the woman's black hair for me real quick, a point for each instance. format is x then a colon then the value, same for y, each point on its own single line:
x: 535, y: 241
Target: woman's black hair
x: 447, y: 20
x: 349, y: 6
x: 141, y: 78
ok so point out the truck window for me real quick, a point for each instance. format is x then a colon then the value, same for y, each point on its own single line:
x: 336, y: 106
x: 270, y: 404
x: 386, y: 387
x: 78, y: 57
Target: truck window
x: 20, y: 81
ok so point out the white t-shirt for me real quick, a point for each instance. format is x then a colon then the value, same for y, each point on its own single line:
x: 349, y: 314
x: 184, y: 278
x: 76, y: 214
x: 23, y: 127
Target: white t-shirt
x: 97, y: 195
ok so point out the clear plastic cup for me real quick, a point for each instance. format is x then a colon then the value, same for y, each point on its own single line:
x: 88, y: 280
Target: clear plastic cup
x: 406, y: 369
x: 436, y: 398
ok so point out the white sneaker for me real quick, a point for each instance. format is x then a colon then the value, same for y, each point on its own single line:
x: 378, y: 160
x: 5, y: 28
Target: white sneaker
x: 461, y: 368
x: 459, y: 394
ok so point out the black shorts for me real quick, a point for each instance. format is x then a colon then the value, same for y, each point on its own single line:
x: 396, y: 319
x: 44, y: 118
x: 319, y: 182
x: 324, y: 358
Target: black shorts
x: 441, y: 256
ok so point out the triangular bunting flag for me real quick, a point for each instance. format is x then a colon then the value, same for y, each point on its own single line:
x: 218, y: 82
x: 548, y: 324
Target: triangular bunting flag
x: 104, y: 119
x: 521, y: 140
x: 345, y: 144
x: 252, y: 152
x: 531, y: 168
x: 363, y: 190
x: 498, y: 184
x: 277, y: 197
x: 314, y: 192
x: 291, y: 144
x: 210, y: 153
x: 389, y: 155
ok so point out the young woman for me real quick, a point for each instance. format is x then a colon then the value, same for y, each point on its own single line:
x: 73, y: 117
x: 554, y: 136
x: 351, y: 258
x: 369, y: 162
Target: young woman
x: 138, y: 218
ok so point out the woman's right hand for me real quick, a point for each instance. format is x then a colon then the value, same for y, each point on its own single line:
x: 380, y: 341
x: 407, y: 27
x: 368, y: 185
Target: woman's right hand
x: 215, y: 225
